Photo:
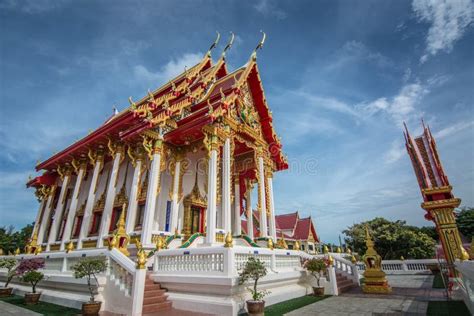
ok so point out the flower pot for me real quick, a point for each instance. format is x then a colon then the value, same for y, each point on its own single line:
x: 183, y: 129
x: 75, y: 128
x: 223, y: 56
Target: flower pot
x: 6, y: 291
x: 256, y: 308
x: 91, y: 308
x: 32, y: 298
x: 318, y: 291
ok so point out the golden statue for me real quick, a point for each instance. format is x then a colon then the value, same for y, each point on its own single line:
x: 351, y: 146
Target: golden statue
x: 270, y: 244
x: 282, y: 243
x: 375, y: 280
x: 69, y: 247
x: 297, y: 245
x: 120, y: 239
x: 228, y: 240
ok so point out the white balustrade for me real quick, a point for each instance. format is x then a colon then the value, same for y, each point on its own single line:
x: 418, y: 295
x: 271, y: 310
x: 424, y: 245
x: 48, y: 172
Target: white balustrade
x: 465, y: 282
x: 409, y: 266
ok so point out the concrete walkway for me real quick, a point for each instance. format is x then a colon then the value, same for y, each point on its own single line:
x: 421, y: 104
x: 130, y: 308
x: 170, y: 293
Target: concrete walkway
x: 13, y: 310
x: 410, y: 296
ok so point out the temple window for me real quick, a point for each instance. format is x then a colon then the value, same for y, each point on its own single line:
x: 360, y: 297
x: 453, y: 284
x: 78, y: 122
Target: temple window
x: 302, y: 247
x: 77, y: 226
x: 310, y: 247
x: 290, y: 246
x: 95, y: 224
x: 115, y: 217
x: 140, y: 213
x: 63, y: 215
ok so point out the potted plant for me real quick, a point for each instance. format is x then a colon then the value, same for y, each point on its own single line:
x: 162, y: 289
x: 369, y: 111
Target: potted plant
x: 316, y: 267
x: 254, y: 269
x: 27, y: 270
x: 9, y: 264
x: 89, y: 268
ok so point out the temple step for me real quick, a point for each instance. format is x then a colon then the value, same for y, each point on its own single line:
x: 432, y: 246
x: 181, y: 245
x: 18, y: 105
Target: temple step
x: 154, y: 297
x: 157, y: 307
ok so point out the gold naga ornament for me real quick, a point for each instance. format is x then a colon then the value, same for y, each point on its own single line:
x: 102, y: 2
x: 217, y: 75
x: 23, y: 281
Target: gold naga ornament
x: 141, y: 256
x: 282, y: 243
x: 32, y: 246
x: 375, y: 279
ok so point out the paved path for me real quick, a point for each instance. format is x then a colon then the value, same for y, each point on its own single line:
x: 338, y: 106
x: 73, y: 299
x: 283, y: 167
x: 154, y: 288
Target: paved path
x: 410, y: 296
x: 13, y: 310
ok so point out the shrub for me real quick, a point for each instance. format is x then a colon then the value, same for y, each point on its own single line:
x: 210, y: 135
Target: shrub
x: 254, y: 269
x: 9, y: 264
x: 88, y: 268
x: 27, y: 265
x: 32, y: 277
x: 315, y: 267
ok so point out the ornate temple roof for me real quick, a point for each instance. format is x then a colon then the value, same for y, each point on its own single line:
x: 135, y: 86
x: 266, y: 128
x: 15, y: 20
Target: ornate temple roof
x: 181, y: 107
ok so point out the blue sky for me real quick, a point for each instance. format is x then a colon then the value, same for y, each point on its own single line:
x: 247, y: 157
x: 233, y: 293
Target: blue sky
x: 340, y: 77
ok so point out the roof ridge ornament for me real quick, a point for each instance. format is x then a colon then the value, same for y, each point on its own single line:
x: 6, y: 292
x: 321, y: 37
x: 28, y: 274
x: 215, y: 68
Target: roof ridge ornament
x: 229, y: 44
x: 259, y: 46
x: 214, y: 44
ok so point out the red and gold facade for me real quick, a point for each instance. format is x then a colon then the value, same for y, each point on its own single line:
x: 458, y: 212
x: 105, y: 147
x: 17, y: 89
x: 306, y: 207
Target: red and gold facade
x: 438, y: 199
x: 182, y: 159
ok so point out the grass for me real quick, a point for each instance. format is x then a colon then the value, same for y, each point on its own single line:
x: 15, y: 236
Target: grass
x: 438, y: 281
x: 290, y: 305
x: 447, y: 308
x: 44, y: 308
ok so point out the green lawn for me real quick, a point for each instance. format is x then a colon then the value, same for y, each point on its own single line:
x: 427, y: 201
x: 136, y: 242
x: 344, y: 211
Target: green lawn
x: 290, y: 305
x: 450, y: 308
x: 438, y: 281
x: 42, y: 307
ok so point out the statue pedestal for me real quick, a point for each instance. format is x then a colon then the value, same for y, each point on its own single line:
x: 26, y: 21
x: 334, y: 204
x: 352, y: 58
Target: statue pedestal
x: 375, y: 282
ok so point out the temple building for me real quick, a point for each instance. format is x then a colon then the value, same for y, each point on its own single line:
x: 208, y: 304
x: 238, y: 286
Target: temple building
x: 292, y: 231
x: 184, y: 159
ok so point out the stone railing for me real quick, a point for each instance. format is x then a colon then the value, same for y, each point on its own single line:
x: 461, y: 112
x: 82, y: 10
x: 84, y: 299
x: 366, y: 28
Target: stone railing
x: 409, y: 266
x: 347, y: 268
x: 121, y: 272
x: 222, y: 261
x: 465, y: 282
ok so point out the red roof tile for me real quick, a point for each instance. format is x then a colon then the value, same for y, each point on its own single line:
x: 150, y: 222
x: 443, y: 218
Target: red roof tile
x: 286, y: 221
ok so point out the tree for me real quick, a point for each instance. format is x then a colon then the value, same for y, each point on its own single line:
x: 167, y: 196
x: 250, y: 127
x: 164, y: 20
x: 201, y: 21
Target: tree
x: 392, y: 239
x: 27, y: 269
x: 465, y: 222
x: 315, y: 267
x: 88, y: 268
x: 254, y: 269
x: 10, y: 265
x: 11, y: 239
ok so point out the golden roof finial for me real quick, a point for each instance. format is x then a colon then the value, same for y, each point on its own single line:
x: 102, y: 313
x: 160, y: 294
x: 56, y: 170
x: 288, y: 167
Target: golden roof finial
x: 229, y: 45
x: 214, y: 44
x: 260, y: 45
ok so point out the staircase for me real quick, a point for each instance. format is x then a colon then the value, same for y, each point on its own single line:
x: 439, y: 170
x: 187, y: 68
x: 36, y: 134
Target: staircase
x: 155, y: 298
x: 344, y: 284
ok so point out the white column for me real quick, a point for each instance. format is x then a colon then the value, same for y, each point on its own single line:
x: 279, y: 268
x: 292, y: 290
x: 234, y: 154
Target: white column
x: 46, y: 214
x: 261, y: 196
x: 153, y: 185
x: 211, y: 198
x: 271, y: 207
x: 249, y: 211
x: 133, y: 200
x: 98, y: 165
x: 57, y: 212
x: 226, y: 199
x: 237, y: 221
x: 174, y: 197
x: 110, y: 197
x: 73, y: 206
x: 37, y: 225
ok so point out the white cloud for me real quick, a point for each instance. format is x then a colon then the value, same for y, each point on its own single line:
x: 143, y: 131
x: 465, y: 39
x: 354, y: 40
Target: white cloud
x: 453, y: 129
x: 268, y: 8
x: 449, y: 20
x: 354, y: 51
x: 173, y: 68
x: 401, y: 107
x: 396, y: 151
